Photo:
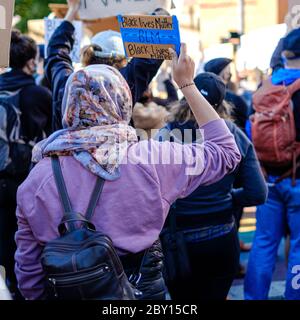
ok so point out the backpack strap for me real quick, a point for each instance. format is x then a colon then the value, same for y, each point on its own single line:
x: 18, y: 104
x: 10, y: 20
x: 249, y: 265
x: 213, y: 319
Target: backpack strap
x: 69, y: 216
x: 62, y: 190
x: 94, y: 198
x: 61, y: 186
x: 136, y: 275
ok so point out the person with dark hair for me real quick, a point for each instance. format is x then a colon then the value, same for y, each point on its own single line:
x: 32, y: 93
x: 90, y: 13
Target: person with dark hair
x: 33, y: 106
x: 206, y: 217
x: 106, y: 48
x: 240, y: 110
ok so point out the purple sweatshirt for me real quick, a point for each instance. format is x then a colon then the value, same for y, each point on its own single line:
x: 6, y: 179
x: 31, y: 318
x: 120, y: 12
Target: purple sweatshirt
x: 131, y: 211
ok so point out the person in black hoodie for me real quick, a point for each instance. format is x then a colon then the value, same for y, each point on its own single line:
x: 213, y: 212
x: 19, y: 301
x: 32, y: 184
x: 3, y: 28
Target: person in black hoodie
x: 206, y: 217
x: 35, y: 106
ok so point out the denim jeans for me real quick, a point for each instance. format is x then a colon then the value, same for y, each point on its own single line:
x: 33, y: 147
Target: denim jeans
x: 281, y: 209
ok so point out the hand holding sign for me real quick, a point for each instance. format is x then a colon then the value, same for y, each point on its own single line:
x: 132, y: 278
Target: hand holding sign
x: 183, y: 67
x: 73, y: 10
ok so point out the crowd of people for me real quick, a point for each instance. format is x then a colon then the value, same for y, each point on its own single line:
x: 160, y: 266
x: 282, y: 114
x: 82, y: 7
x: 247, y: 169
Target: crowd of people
x: 167, y: 180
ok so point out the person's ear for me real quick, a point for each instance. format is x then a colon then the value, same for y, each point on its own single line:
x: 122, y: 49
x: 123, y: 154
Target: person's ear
x: 30, y: 66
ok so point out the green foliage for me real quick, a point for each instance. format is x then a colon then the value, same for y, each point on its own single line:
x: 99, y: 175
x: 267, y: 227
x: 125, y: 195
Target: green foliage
x: 32, y: 9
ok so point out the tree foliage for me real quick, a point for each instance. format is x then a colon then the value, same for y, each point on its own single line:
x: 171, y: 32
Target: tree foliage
x: 32, y: 9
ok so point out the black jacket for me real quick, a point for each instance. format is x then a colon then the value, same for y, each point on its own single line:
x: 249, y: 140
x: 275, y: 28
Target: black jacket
x: 35, y: 103
x: 240, y: 110
x: 138, y: 73
x: 152, y: 283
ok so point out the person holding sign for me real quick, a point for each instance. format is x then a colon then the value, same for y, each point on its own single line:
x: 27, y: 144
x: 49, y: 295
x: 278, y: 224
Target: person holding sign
x: 137, y: 193
x: 138, y: 72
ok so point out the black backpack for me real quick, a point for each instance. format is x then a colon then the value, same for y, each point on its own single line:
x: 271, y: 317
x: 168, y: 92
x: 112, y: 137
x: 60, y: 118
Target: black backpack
x: 82, y: 264
x: 15, y: 150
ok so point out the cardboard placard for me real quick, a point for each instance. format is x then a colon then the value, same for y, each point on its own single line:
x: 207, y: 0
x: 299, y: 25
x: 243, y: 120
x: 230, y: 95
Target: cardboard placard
x: 95, y: 9
x: 95, y: 26
x: 6, y: 16
x: 150, y: 36
x: 50, y: 27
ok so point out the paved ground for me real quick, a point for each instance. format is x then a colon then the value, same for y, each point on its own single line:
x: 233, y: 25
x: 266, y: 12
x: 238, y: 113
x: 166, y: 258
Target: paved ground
x: 247, y: 230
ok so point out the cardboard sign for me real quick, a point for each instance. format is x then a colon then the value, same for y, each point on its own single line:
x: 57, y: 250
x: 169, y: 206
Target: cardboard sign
x: 95, y: 9
x: 50, y: 27
x: 150, y: 36
x: 6, y: 16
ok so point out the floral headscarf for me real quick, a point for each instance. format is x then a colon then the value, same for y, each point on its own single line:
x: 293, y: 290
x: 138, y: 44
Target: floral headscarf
x: 97, y: 108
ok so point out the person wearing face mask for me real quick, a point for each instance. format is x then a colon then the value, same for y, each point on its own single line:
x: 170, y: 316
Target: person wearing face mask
x: 33, y: 102
x: 240, y: 110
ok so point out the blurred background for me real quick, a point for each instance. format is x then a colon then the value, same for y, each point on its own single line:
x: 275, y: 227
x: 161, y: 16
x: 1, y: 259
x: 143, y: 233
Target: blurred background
x: 236, y: 29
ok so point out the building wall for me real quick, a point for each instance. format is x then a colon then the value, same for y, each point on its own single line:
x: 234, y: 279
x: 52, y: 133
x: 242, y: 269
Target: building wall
x: 216, y: 18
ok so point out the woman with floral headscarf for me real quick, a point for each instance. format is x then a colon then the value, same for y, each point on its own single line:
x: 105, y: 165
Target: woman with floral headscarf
x: 142, y: 178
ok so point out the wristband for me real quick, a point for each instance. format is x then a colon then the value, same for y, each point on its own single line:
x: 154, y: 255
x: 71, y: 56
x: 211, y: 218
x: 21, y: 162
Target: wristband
x: 186, y: 85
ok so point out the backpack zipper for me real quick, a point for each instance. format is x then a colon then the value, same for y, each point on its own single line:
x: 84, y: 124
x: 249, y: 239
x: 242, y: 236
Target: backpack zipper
x: 73, y: 280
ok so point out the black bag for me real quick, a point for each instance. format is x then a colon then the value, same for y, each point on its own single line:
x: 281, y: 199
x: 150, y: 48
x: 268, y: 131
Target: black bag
x: 176, y: 260
x: 15, y: 150
x: 83, y: 263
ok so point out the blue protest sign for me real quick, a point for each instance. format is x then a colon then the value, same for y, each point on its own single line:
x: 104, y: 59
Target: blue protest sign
x: 150, y: 36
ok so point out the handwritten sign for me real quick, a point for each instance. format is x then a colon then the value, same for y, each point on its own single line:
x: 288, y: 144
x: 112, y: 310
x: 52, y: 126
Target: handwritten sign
x: 6, y: 17
x: 50, y: 27
x: 95, y: 9
x: 150, y: 36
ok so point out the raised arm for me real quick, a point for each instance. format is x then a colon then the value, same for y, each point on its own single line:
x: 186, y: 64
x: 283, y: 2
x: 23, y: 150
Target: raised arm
x: 183, y: 74
x: 58, y: 65
x: 202, y: 163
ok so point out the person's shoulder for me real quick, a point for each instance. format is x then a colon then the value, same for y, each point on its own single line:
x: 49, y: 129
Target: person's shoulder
x: 37, y: 90
x: 37, y: 176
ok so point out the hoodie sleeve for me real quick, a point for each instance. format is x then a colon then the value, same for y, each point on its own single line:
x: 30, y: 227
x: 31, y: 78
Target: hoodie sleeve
x: 28, y: 269
x: 253, y: 190
x: 192, y: 165
x: 58, y: 67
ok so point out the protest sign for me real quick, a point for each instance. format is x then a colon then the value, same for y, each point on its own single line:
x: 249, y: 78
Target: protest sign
x: 150, y: 36
x: 95, y: 9
x: 52, y: 24
x: 6, y: 16
x: 95, y: 26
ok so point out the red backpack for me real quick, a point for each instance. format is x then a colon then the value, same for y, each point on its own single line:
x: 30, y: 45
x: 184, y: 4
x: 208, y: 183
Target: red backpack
x: 273, y: 126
